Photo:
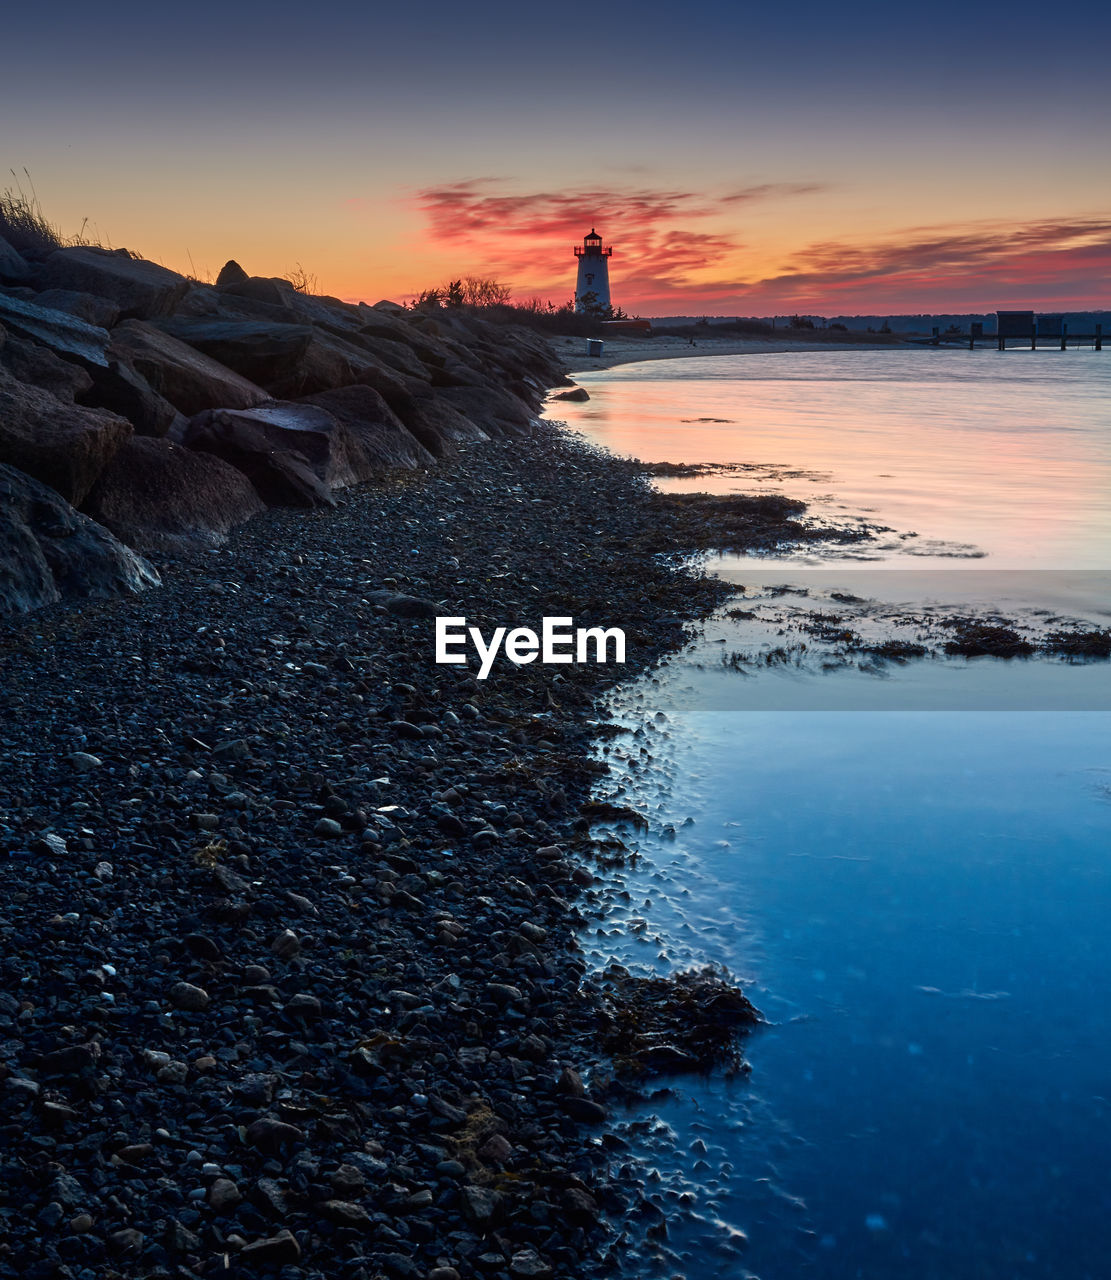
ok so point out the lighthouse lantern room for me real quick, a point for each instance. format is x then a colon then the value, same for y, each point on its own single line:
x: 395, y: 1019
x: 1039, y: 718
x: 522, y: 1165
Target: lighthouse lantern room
x: 592, y: 289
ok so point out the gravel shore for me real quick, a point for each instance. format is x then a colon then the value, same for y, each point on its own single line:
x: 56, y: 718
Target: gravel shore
x: 289, y: 981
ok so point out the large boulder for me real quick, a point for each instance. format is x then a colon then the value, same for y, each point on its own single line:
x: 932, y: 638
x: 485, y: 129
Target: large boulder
x: 29, y: 362
x: 123, y: 391
x: 158, y: 496
x: 190, y: 380
x: 231, y: 273
x: 49, y: 552
x: 282, y: 475
x: 14, y: 268
x: 438, y: 425
x: 64, y: 334
x: 66, y: 446
x: 140, y: 289
x: 258, y: 350
x: 101, y: 312
x: 394, y: 355
x: 270, y: 289
x: 339, y: 454
x: 497, y: 411
x: 289, y: 360
x: 382, y: 439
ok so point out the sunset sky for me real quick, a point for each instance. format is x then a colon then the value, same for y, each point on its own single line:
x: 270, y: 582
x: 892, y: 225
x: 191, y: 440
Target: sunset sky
x: 741, y: 159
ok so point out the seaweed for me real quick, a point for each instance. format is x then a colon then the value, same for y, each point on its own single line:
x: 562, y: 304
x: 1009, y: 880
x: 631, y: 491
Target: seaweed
x: 1079, y: 644
x: 974, y: 639
x: 687, y: 1022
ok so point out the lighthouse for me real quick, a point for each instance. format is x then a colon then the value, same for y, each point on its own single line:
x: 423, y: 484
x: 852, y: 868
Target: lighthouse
x: 592, y: 289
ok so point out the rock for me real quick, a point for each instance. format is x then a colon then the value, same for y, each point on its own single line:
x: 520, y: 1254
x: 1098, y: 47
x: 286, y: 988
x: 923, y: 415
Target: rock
x: 179, y: 1239
x: 123, y: 391
x: 481, y: 1205
x: 405, y: 606
x: 185, y: 996
x: 327, y: 827
x: 346, y: 1213
x: 578, y: 393
x: 496, y: 1149
x: 381, y: 439
x: 231, y: 273
x: 570, y: 1083
x: 286, y: 945
x: 159, y: 496
x: 290, y: 360
x: 174, y: 1072
x: 51, y: 844
x: 584, y: 1110
x: 503, y: 993
x: 282, y: 476
x: 50, y: 552
x: 495, y: 410
x: 64, y: 445
x: 269, y: 1134
x: 140, y: 289
x: 177, y: 372
x: 83, y: 762
x: 127, y: 1242
x: 31, y: 362
x: 85, y: 306
x: 347, y: 1180
x: 14, y: 268
x: 529, y: 1264
x: 260, y: 351
x: 136, y: 1152
x: 305, y: 1007
x: 203, y: 947
x: 70, y: 1061
x: 61, y: 332
x: 438, y: 426
x: 274, y: 1251
x: 405, y: 729
x: 269, y: 289
x: 224, y: 1195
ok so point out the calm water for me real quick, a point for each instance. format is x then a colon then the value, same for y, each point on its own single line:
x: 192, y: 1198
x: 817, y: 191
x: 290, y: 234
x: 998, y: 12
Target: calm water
x: 1008, y: 453
x: 917, y: 899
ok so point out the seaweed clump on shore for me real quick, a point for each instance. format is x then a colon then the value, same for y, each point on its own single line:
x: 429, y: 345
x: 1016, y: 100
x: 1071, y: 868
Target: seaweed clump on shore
x: 1079, y: 644
x: 972, y: 639
x: 736, y: 522
x: 682, y: 1023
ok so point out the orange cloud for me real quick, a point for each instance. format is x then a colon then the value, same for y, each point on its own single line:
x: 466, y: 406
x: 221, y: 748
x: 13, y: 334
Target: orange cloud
x: 527, y: 237
x: 678, y: 251
x: 1063, y: 261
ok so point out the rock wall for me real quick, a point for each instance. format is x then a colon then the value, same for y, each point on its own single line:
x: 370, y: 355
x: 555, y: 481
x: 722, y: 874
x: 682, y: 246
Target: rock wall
x: 169, y: 411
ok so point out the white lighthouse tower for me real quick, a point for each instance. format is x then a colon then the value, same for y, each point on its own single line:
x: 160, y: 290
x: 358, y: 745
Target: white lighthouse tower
x: 592, y: 290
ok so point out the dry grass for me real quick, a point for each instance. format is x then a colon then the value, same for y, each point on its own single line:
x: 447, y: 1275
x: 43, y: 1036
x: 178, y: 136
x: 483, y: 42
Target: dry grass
x: 29, y: 231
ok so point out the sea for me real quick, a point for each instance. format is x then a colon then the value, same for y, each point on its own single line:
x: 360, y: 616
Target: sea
x: 906, y: 862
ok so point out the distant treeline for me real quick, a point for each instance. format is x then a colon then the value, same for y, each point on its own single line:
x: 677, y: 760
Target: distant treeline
x: 1077, y: 321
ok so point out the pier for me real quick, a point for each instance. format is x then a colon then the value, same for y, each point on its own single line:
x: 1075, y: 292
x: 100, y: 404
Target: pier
x: 1020, y: 327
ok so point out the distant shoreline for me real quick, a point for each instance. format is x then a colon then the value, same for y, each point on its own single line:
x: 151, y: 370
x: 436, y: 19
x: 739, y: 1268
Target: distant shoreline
x: 625, y: 350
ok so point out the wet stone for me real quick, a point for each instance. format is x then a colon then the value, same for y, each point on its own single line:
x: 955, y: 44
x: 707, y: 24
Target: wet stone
x: 190, y: 999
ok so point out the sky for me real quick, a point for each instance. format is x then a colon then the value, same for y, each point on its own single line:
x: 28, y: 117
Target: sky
x: 740, y: 158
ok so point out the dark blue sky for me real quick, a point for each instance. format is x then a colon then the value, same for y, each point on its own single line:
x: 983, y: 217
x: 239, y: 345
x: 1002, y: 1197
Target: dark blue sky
x: 319, y: 129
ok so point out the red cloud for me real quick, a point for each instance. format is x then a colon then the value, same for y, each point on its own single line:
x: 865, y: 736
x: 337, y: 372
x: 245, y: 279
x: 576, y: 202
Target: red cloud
x: 530, y: 235
x: 664, y: 258
x: 1065, y: 261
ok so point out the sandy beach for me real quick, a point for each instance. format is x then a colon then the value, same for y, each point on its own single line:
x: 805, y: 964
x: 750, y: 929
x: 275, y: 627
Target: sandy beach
x: 625, y: 349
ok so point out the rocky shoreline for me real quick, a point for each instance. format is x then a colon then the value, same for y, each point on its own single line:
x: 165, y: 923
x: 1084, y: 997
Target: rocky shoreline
x: 288, y: 970
x: 289, y: 974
